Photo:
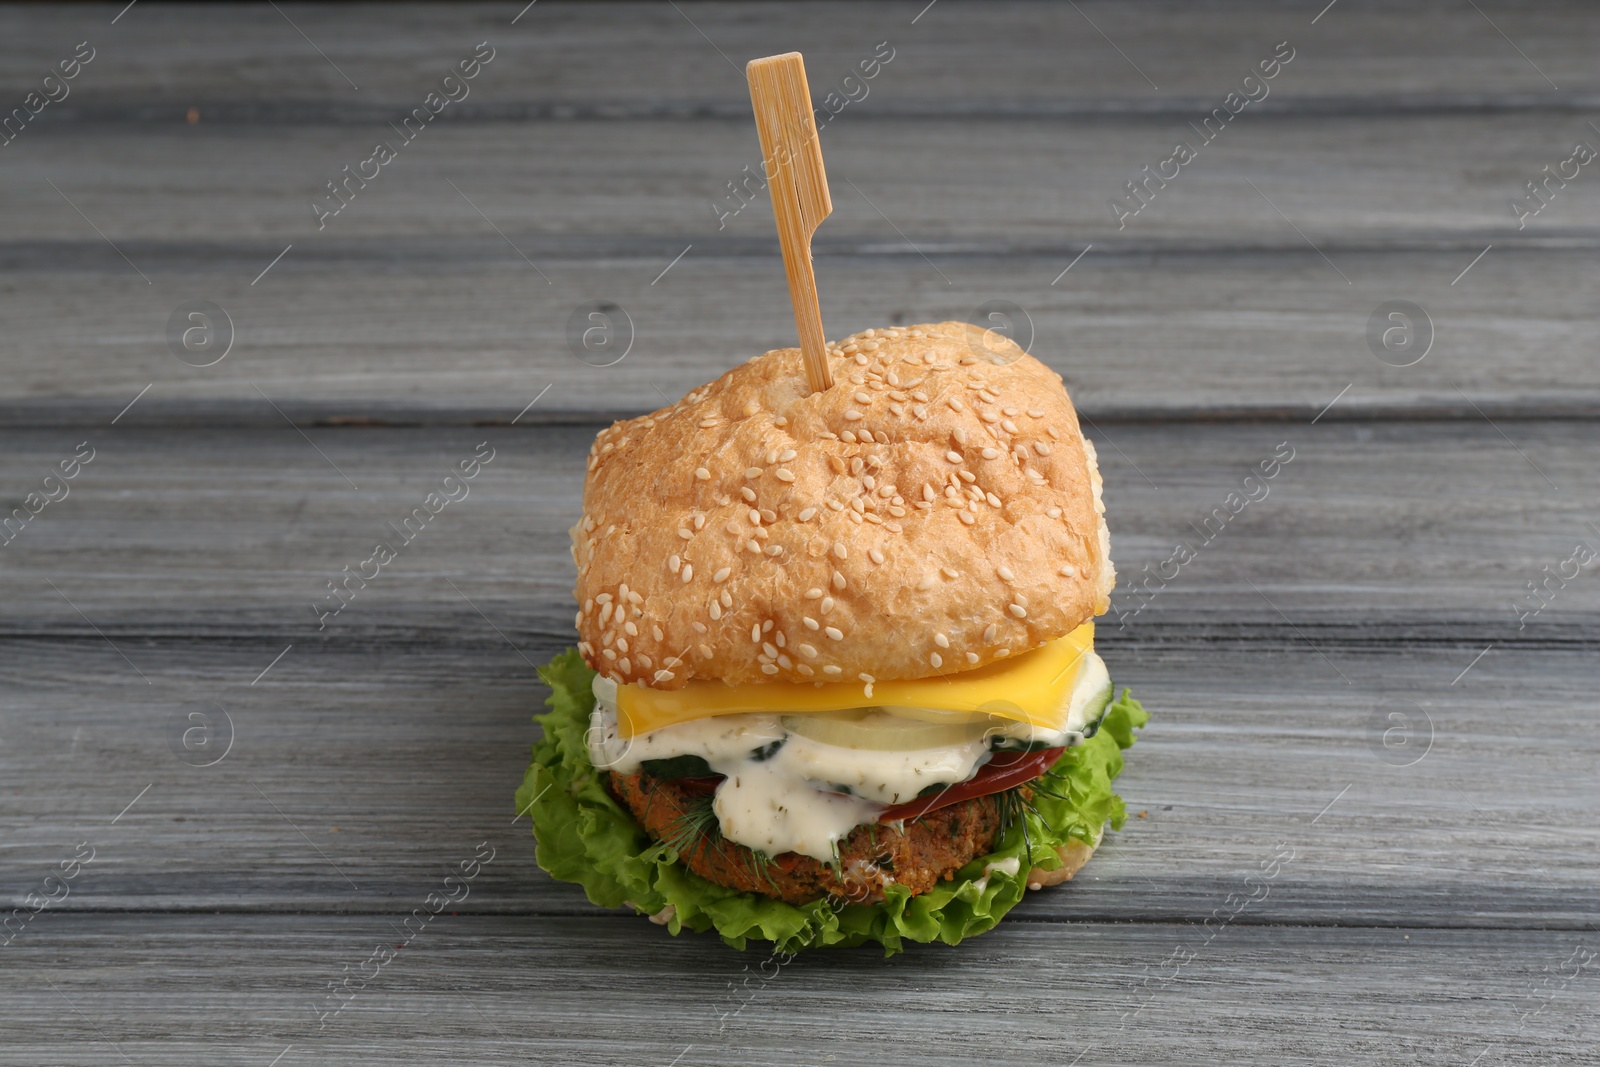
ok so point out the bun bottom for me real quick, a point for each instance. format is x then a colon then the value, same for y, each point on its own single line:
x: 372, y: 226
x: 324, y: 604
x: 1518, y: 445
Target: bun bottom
x: 918, y: 854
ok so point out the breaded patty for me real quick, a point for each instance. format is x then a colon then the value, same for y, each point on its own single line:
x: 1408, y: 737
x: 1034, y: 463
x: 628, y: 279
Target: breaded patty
x: 917, y: 855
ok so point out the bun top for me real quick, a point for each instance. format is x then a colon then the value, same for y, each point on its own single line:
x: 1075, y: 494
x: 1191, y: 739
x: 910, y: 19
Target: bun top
x: 936, y: 510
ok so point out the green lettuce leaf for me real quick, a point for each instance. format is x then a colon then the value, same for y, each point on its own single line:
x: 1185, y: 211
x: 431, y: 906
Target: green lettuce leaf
x: 585, y: 836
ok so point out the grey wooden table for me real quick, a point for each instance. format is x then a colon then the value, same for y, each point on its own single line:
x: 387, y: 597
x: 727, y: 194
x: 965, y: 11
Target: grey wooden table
x: 212, y: 809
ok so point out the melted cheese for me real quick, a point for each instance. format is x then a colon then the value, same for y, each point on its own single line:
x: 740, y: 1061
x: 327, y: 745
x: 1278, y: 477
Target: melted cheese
x: 1032, y: 688
x: 782, y: 792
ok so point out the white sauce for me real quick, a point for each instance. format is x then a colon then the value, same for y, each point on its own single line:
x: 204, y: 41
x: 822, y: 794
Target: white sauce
x: 791, y: 800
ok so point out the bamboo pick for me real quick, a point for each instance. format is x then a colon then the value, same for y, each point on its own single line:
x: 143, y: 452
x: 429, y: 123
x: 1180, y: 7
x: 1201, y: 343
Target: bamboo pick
x: 792, y: 164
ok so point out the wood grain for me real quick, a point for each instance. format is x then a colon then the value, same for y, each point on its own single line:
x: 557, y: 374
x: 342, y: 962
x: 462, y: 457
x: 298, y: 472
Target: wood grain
x: 241, y: 990
x: 566, y: 60
x: 359, y: 770
x: 1425, y: 531
x: 1346, y: 182
x: 1440, y: 909
x: 461, y: 332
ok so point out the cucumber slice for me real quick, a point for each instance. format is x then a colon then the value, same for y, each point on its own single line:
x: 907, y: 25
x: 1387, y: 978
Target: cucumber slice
x: 1097, y: 709
x: 875, y: 730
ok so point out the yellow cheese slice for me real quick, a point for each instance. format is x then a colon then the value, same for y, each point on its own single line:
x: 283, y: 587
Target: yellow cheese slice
x: 1030, y: 688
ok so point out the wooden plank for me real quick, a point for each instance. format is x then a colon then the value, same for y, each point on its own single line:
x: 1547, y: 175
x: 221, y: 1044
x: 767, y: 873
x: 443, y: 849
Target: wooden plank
x: 359, y: 771
x: 1361, y: 180
x: 465, y: 331
x: 1372, y: 532
x: 561, y: 59
x: 242, y: 990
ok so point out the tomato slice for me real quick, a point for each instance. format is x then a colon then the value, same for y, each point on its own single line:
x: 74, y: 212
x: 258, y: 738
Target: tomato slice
x: 1005, y: 770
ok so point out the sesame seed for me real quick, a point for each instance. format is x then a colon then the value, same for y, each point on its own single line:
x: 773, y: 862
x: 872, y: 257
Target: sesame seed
x: 630, y: 629
x: 755, y: 633
x: 960, y: 435
x: 748, y: 493
x: 608, y: 653
x: 767, y: 668
x: 753, y: 545
x: 827, y: 604
x: 808, y: 651
x: 953, y: 457
x: 926, y: 583
x: 811, y: 624
x: 725, y: 599
x: 1019, y: 611
x: 989, y: 632
x: 673, y: 564
x: 755, y: 517
x: 655, y: 631
x: 806, y: 514
x: 1069, y: 571
x: 786, y: 455
x: 967, y: 476
x: 863, y: 398
x: 784, y: 475
x: 722, y: 574
x: 956, y: 404
x: 991, y: 453
x: 702, y: 474
x: 972, y: 657
x: 1054, y: 513
x: 704, y: 650
x: 1005, y: 572
x: 838, y: 580
x: 770, y: 649
x: 875, y: 554
x: 1008, y: 426
x: 936, y: 659
x: 839, y: 549
x: 950, y: 572
x: 966, y: 517
x: 684, y: 533
x: 831, y: 669
x: 700, y: 627
x: 834, y: 633
x: 992, y: 500
x: 941, y: 640
x: 853, y: 416
x: 1002, y: 652
x: 688, y: 571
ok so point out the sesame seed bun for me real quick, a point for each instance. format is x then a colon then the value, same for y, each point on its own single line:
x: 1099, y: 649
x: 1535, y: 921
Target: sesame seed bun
x: 752, y: 532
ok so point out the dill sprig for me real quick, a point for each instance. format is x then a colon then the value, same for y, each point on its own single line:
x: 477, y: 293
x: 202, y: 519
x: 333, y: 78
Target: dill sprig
x: 694, y: 829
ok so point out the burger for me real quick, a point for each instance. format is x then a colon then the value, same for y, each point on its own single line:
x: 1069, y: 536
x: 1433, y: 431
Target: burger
x: 835, y: 678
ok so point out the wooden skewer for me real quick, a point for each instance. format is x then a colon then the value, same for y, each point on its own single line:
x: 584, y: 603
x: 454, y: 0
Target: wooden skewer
x: 792, y: 163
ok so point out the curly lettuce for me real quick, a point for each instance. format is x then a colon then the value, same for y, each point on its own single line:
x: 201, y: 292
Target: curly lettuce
x: 585, y: 836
